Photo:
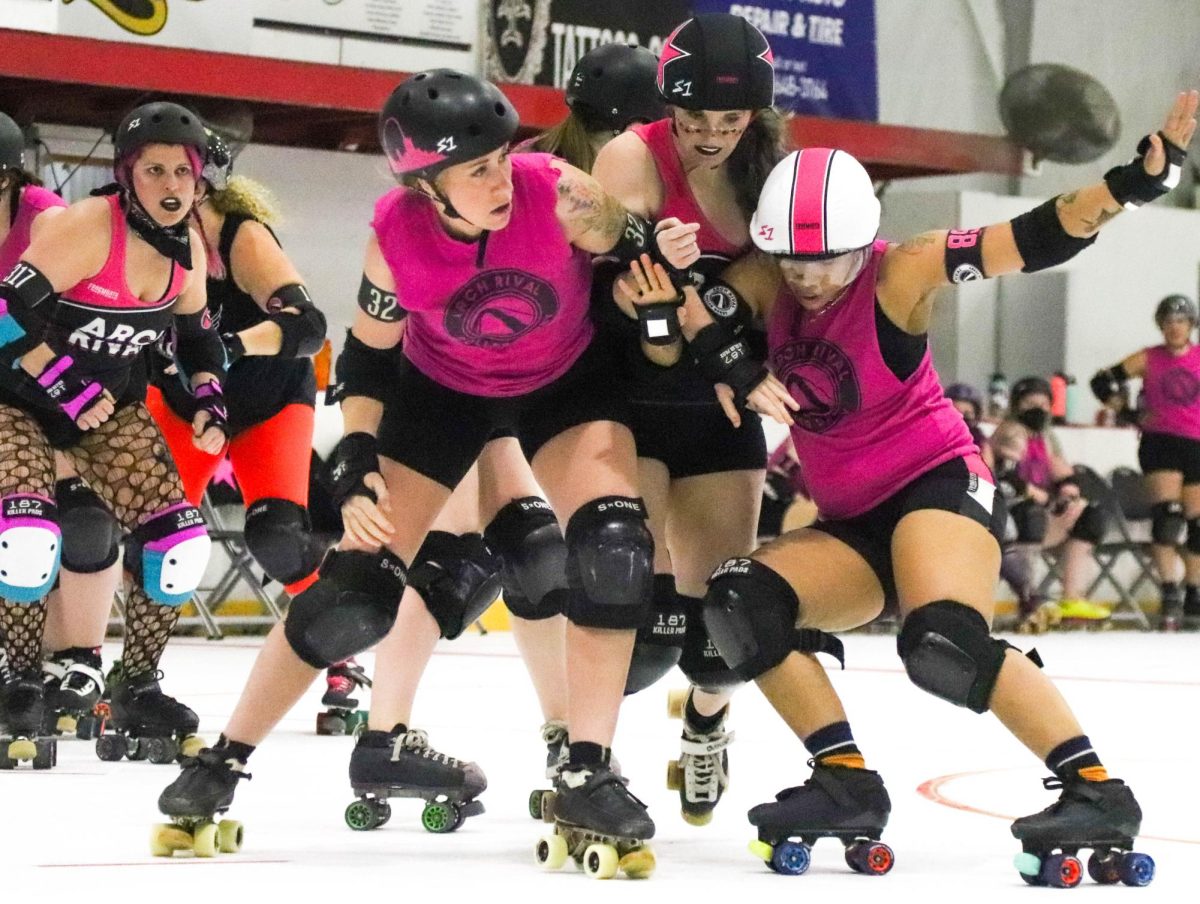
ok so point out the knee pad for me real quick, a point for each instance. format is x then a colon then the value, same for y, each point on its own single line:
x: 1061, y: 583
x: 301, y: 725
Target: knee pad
x: 1091, y: 526
x: 659, y: 641
x: 1167, y: 524
x: 168, y: 553
x: 91, y: 534
x: 1030, y: 520
x: 279, y: 536
x: 526, y: 537
x: 948, y: 651
x: 701, y: 662
x: 610, y: 564
x: 1193, y: 536
x: 30, y: 547
x: 349, y: 609
x: 457, y: 577
x: 750, y: 613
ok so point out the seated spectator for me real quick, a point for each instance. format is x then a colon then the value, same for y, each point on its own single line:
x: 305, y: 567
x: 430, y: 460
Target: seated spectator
x: 1046, y: 508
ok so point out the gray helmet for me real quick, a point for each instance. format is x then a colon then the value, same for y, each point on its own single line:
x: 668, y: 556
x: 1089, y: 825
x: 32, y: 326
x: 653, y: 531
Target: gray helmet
x: 12, y: 144
x: 1175, y: 306
x: 613, y: 85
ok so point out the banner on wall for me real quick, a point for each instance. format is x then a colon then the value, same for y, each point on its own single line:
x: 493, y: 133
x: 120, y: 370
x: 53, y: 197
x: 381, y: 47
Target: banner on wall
x: 825, y: 60
x: 454, y: 23
x: 222, y: 25
x: 538, y: 42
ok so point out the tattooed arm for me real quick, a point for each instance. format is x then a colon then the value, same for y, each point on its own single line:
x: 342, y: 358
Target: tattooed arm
x: 591, y: 218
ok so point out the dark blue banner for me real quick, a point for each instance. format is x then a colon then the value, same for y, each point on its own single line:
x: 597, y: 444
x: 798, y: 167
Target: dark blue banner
x: 824, y: 53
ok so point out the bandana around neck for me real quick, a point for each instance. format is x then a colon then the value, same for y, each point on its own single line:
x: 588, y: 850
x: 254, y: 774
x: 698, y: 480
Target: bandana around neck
x: 172, y: 242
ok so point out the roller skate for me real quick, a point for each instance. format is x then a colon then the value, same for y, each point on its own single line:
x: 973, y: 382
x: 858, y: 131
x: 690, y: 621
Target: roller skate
x: 1081, y: 613
x: 554, y: 733
x: 203, y: 790
x: 146, y: 724
x: 342, y: 715
x: 74, y: 685
x: 701, y: 774
x: 598, y: 824
x: 839, y: 802
x: 22, y: 722
x: 1038, y: 616
x: 401, y: 763
x: 1102, y: 816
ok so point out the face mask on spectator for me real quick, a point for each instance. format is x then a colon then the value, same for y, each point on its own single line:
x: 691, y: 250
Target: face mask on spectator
x: 1035, y: 419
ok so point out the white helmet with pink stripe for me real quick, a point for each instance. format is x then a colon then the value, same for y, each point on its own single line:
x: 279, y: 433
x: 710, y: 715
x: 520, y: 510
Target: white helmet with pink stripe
x: 816, y: 204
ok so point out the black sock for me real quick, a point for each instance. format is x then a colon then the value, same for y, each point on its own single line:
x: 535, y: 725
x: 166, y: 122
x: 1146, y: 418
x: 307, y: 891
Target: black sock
x: 698, y: 723
x: 586, y: 753
x: 1074, y: 759
x: 233, y: 750
x: 834, y: 745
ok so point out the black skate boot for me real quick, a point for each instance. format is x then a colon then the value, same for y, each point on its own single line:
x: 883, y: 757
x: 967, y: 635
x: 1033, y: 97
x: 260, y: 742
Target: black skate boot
x: 1171, y: 610
x: 147, y: 724
x: 599, y: 824
x: 554, y: 733
x: 1103, y: 816
x: 204, y: 789
x: 342, y: 715
x: 22, y: 723
x: 400, y: 763
x: 78, y: 687
x: 836, y: 802
x: 701, y: 774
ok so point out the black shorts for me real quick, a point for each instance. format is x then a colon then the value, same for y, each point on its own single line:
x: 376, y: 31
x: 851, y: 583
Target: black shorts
x: 946, y: 488
x: 698, y: 439
x: 1166, y: 452
x: 439, y: 432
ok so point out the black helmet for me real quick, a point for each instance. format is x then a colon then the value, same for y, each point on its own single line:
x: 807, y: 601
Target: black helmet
x: 160, y: 122
x: 442, y: 117
x: 1175, y: 306
x: 964, y: 392
x: 717, y: 61
x: 12, y: 144
x: 218, y: 164
x: 1027, y: 386
x: 613, y: 85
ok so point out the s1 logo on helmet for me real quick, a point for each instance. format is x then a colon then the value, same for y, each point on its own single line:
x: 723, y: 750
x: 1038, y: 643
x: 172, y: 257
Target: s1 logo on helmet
x: 139, y: 17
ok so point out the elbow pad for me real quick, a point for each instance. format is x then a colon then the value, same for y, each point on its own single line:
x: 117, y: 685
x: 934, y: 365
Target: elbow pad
x: 22, y: 290
x: 361, y: 370
x: 1041, y: 239
x: 303, y: 333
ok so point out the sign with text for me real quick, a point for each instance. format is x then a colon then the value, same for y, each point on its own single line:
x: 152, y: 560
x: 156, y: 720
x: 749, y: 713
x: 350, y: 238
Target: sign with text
x: 198, y: 24
x: 450, y: 22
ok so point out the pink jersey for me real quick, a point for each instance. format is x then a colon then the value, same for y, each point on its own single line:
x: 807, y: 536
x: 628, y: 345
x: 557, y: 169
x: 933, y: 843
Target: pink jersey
x: 861, y: 434
x: 100, y: 321
x: 1172, y: 387
x: 33, y: 201
x: 678, y: 200
x: 1037, y: 467
x: 501, y: 318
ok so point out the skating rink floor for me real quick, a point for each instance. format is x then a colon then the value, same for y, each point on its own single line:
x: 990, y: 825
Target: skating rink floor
x: 956, y: 780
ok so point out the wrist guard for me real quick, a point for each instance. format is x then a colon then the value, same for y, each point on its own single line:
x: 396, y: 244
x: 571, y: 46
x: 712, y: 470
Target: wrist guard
x: 356, y: 456
x: 1132, y: 186
x: 725, y: 359
x: 66, y: 388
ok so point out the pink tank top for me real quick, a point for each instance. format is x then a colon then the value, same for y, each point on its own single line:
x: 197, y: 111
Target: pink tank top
x: 507, y: 325
x: 100, y: 320
x: 678, y: 200
x: 33, y: 201
x: 1036, y: 467
x: 1172, y: 387
x: 860, y: 434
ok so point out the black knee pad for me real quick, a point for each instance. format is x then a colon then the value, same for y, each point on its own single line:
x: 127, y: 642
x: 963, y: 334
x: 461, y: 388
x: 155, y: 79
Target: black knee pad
x: 1030, y: 520
x: 1168, y: 526
x: 457, y: 577
x: 610, y: 564
x: 91, y: 534
x: 1193, y: 536
x: 947, y: 650
x: 701, y: 662
x: 279, y: 536
x: 1091, y: 526
x: 526, y: 537
x: 750, y: 613
x: 348, y: 609
x: 659, y: 641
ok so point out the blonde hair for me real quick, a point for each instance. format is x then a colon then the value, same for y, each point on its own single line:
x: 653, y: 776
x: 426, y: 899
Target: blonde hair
x: 246, y: 197
x: 570, y: 140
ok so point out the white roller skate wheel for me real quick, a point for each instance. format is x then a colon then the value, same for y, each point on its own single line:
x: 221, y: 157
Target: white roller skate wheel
x: 600, y: 861
x: 204, y: 841
x: 229, y: 836
x: 551, y: 851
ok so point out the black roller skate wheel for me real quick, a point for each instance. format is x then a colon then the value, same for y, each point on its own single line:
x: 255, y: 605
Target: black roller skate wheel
x: 362, y: 816
x: 111, y: 748
x: 161, y: 751
x: 1062, y: 871
x: 5, y: 761
x: 383, y: 812
x: 47, y: 755
x: 1104, y: 869
x: 138, y: 749
x: 86, y: 728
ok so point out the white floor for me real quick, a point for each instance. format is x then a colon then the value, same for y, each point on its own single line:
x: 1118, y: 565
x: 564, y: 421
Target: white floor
x: 956, y: 780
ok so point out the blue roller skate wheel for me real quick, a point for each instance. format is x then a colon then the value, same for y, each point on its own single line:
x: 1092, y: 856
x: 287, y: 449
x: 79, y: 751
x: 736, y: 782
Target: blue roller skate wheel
x: 790, y: 858
x: 1137, y: 869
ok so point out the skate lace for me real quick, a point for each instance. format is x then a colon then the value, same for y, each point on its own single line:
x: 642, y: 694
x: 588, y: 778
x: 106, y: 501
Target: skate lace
x: 704, y: 772
x: 417, y: 741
